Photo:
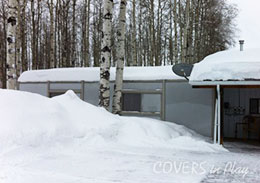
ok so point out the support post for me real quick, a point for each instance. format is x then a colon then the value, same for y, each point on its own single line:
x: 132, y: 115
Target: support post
x: 219, y: 113
x: 163, y: 102
x: 82, y: 88
x: 216, y: 121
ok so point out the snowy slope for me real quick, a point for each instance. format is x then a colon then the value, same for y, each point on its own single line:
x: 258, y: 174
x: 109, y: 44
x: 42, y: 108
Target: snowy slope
x: 65, y: 140
x: 92, y: 74
x: 31, y: 119
x: 228, y: 65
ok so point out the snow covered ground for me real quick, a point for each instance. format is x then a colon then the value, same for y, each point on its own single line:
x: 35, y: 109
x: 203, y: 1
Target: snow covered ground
x: 66, y: 140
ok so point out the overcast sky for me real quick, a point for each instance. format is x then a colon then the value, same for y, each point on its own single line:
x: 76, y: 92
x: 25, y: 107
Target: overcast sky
x: 248, y: 22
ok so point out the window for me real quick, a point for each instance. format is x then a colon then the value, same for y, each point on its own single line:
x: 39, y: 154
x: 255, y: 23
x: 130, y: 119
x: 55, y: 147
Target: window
x: 254, y: 106
x: 143, y: 102
x: 54, y: 93
x: 131, y: 102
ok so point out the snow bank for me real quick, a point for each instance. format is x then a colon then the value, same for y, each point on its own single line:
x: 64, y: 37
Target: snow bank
x: 92, y: 74
x: 228, y: 65
x: 31, y: 120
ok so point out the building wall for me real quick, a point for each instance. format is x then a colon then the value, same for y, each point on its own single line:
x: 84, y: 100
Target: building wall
x: 179, y: 102
x: 190, y: 107
x: 40, y: 88
x: 91, y: 93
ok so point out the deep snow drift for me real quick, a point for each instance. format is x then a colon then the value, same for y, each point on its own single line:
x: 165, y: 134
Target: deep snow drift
x: 65, y: 140
x: 32, y: 120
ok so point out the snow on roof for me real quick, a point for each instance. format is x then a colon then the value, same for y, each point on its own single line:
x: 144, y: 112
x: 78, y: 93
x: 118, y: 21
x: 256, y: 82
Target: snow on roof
x: 92, y: 74
x: 230, y: 65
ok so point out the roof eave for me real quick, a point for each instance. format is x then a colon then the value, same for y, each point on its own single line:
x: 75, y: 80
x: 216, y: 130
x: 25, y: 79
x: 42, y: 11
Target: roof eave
x: 239, y: 83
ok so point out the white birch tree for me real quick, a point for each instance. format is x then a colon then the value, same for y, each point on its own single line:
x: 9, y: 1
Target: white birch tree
x: 105, y: 54
x: 120, y: 57
x: 11, y: 39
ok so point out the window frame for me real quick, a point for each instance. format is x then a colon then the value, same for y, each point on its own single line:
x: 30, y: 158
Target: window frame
x: 251, y: 110
x: 142, y: 113
x: 61, y: 92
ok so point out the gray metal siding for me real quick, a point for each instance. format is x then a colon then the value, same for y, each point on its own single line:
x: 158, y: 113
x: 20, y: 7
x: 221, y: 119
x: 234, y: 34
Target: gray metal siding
x: 91, y: 93
x: 142, y: 85
x: 65, y: 86
x: 190, y: 107
x: 40, y: 88
x: 183, y: 105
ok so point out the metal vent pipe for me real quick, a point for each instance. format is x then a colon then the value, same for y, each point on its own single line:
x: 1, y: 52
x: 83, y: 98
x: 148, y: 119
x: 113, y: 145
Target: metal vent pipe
x: 241, y: 42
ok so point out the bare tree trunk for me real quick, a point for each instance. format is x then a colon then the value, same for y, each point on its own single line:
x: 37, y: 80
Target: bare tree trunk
x: 52, y: 56
x: 97, y: 36
x: 24, y: 37
x: 33, y: 38
x: 18, y: 41
x: 56, y: 32
x: 152, y: 34
x: 74, y: 36
x: 196, y: 49
x: 190, y: 34
x: 157, y: 37
x: 11, y: 38
x: 106, y: 54
x: 120, y: 57
x: 134, y: 36
x: 140, y: 37
x: 175, y: 32
x: 38, y: 59
x: 86, y: 46
x: 170, y: 37
x: 181, y: 31
x: 4, y: 56
x: 185, y: 35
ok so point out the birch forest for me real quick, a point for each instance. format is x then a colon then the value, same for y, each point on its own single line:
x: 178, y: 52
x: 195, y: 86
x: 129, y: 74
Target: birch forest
x: 68, y: 33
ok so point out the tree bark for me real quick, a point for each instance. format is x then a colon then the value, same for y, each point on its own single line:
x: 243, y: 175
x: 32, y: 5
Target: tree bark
x: 106, y: 54
x: 185, y: 35
x: 157, y: 37
x: 175, y: 32
x: 18, y: 65
x: 86, y: 38
x: 152, y: 34
x: 120, y: 57
x: 24, y: 37
x: 74, y: 35
x: 181, y: 31
x: 33, y: 38
x: 134, y: 51
x: 4, y: 46
x: 52, y: 56
x: 11, y: 39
